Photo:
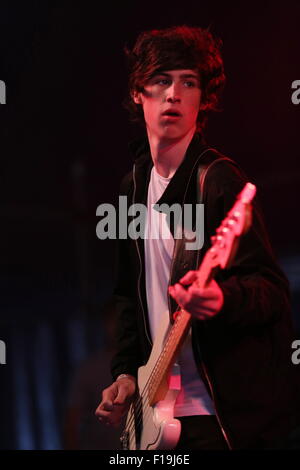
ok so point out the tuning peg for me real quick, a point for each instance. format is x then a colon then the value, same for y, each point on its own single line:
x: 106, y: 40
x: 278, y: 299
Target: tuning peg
x: 236, y: 215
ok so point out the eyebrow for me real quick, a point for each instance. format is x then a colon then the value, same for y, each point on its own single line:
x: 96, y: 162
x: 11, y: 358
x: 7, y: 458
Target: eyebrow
x: 183, y: 75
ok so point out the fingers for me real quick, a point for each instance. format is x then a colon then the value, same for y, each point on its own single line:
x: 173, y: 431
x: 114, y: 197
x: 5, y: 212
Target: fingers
x: 126, y: 390
x: 108, y: 397
x: 180, y: 294
x: 115, y: 401
x: 111, y: 416
x: 123, y: 395
x: 202, y: 303
x: 106, y: 406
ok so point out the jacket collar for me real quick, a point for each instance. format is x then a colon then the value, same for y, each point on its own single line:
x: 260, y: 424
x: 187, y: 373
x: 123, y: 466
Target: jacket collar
x: 176, y: 188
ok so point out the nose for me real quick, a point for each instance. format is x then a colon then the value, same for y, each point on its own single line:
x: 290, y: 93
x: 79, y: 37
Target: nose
x: 173, y: 94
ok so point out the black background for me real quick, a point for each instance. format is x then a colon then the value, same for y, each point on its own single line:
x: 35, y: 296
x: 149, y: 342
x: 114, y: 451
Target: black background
x: 63, y: 150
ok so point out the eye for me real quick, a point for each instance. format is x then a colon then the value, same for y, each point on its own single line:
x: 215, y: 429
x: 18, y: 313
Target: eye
x: 162, y: 81
x: 190, y: 84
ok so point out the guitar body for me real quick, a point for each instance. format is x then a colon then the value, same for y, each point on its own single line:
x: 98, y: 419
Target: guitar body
x: 151, y: 427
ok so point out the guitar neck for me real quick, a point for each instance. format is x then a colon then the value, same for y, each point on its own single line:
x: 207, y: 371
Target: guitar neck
x: 174, y: 340
x: 224, y: 245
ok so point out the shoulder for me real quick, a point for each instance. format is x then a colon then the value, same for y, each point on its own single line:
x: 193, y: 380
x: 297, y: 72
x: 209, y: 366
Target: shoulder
x: 223, y: 181
x: 222, y: 172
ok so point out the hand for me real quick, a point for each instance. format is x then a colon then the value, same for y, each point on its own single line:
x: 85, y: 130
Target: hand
x: 116, y: 400
x: 201, y: 303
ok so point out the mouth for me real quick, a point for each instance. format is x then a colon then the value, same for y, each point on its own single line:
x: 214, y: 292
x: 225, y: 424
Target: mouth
x: 172, y: 113
x: 171, y: 116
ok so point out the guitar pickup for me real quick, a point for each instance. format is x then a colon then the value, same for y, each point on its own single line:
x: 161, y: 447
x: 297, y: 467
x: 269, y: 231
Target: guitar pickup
x: 174, y: 380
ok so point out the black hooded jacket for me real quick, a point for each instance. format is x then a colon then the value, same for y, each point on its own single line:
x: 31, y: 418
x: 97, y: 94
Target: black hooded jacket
x: 243, y: 354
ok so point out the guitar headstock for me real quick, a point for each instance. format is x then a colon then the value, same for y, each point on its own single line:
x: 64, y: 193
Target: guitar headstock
x: 237, y: 222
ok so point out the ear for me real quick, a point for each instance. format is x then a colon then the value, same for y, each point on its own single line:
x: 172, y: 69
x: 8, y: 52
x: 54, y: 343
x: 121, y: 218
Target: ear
x: 203, y: 106
x: 136, y: 96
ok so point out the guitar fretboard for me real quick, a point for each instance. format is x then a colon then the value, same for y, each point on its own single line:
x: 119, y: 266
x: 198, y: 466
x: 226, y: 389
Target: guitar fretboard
x: 175, y: 337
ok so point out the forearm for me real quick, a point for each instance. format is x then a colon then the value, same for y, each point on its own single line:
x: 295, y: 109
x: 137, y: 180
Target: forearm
x: 254, y: 300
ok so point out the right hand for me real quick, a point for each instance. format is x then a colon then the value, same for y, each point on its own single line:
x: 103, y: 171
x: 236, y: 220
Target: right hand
x: 116, y: 400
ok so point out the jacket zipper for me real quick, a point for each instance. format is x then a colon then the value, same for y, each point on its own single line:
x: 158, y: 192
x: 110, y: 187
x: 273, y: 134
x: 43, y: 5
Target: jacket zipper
x: 169, y: 283
x: 141, y: 267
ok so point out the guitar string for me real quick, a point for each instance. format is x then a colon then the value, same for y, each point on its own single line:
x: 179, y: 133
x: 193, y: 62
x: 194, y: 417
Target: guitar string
x: 137, y: 406
x: 136, y: 416
x: 146, y: 416
x: 151, y: 378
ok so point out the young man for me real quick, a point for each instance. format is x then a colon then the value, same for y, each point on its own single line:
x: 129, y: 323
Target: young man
x: 237, y: 389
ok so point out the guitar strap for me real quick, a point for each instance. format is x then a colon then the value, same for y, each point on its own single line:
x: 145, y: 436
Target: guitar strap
x: 203, y: 169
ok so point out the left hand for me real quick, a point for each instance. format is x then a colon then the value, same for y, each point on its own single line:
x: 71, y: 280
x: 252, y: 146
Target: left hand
x: 201, y: 303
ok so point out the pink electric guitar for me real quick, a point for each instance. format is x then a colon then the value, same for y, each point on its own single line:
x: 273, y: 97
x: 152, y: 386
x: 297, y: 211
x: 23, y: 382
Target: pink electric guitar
x: 150, y: 421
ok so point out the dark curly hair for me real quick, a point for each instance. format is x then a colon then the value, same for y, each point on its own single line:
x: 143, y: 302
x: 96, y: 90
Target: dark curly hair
x: 178, y: 47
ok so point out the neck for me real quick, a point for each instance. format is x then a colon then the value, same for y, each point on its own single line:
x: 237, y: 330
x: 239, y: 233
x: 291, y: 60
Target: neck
x: 167, y: 154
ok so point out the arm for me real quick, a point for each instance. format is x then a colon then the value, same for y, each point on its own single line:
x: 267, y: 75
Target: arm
x: 127, y: 356
x: 117, y: 397
x: 253, y: 291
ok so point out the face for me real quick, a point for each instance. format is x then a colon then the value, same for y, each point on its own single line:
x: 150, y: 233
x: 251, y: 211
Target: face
x: 171, y: 102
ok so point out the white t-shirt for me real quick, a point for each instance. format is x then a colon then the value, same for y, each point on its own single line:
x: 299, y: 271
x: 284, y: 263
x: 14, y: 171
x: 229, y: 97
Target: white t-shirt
x: 193, y: 398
